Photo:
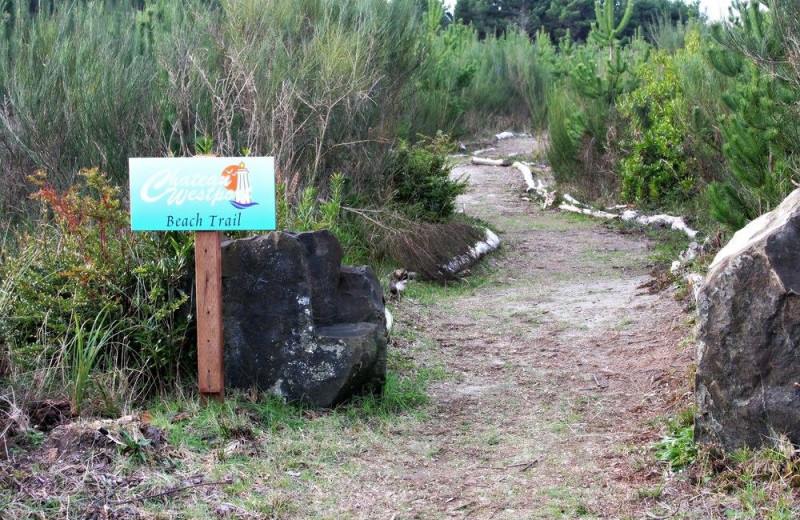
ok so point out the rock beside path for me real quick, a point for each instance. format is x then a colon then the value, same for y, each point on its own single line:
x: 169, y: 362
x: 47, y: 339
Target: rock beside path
x: 299, y: 324
x: 748, y: 351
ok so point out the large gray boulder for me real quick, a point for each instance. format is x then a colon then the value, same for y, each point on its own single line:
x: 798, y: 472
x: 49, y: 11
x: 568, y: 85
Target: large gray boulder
x: 748, y: 349
x: 297, y: 323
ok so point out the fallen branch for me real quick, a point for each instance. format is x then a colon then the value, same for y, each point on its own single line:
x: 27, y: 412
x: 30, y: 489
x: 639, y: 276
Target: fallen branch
x: 490, y: 162
x: 536, y: 185
x: 527, y: 174
x: 573, y: 205
x: 526, y: 465
x: 670, y: 221
x: 587, y: 211
x: 483, y: 150
x: 508, y: 135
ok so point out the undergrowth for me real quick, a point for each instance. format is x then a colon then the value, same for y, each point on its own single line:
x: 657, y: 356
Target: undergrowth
x: 249, y: 454
x: 90, y: 306
x: 743, y: 483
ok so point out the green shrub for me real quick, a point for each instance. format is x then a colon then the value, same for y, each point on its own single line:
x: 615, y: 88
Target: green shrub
x: 420, y: 175
x: 760, y: 128
x: 311, y: 213
x: 655, y: 170
x: 81, y: 262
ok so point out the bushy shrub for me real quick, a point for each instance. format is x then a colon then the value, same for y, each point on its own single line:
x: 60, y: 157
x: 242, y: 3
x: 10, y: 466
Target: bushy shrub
x: 420, y: 176
x: 655, y: 168
x: 80, y: 262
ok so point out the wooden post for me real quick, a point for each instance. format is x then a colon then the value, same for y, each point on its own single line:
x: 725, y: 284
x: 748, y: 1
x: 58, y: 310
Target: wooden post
x: 208, y: 275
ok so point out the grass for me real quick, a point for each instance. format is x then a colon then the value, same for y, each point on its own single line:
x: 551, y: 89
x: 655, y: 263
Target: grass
x: 427, y: 292
x: 250, y: 456
x: 84, y: 349
x: 761, y: 484
x: 739, y: 484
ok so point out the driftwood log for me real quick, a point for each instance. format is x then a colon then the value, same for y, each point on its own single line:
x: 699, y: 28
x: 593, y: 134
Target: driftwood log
x: 670, y: 221
x: 481, y: 161
x: 536, y: 185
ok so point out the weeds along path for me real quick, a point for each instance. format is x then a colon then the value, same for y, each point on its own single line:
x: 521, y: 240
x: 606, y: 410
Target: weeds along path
x: 555, y: 370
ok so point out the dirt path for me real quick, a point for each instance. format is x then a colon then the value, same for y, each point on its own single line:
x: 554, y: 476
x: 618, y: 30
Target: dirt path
x: 557, y: 370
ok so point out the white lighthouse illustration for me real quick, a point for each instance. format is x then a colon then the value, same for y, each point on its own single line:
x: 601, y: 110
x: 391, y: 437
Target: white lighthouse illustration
x: 236, y: 178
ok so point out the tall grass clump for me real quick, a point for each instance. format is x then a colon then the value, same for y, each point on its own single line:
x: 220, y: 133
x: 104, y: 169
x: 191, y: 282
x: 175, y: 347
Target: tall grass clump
x: 84, y: 347
x: 75, y: 92
x: 509, y: 87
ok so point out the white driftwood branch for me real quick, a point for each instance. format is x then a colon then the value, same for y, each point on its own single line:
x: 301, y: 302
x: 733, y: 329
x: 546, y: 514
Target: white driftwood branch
x: 535, y: 185
x: 490, y: 162
x: 573, y: 205
x: 587, y: 211
x: 679, y: 268
x: 695, y: 282
x: 389, y: 320
x: 483, y: 150
x: 659, y: 220
x: 461, y: 262
x: 527, y: 174
x: 569, y: 203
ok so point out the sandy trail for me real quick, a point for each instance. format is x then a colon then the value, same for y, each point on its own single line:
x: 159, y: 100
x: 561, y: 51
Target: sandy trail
x: 557, y: 367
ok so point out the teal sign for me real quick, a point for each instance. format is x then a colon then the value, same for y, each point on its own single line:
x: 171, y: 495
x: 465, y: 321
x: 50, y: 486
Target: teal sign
x: 202, y: 194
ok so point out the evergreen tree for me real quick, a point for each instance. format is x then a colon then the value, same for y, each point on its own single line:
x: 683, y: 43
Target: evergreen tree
x: 559, y: 17
x: 573, y: 17
x: 762, y: 137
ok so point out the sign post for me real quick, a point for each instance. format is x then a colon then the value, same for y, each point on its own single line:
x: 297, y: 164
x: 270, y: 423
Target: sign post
x: 208, y: 280
x: 206, y: 195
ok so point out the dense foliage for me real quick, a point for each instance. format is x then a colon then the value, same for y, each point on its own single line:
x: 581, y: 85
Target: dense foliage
x: 421, y: 176
x: 318, y: 84
x: 83, y: 290
x: 697, y: 118
x: 761, y: 131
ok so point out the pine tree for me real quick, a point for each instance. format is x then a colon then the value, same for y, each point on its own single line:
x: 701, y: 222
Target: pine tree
x: 761, y: 139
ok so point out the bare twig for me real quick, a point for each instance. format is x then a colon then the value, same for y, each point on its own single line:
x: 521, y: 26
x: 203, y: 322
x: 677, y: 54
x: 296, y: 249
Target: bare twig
x: 525, y: 466
x: 170, y: 492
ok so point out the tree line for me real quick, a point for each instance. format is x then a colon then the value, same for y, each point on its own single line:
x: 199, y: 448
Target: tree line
x: 561, y: 17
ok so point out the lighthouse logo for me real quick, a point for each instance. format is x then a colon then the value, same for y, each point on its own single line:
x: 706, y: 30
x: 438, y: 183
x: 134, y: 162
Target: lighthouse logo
x: 236, y: 178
